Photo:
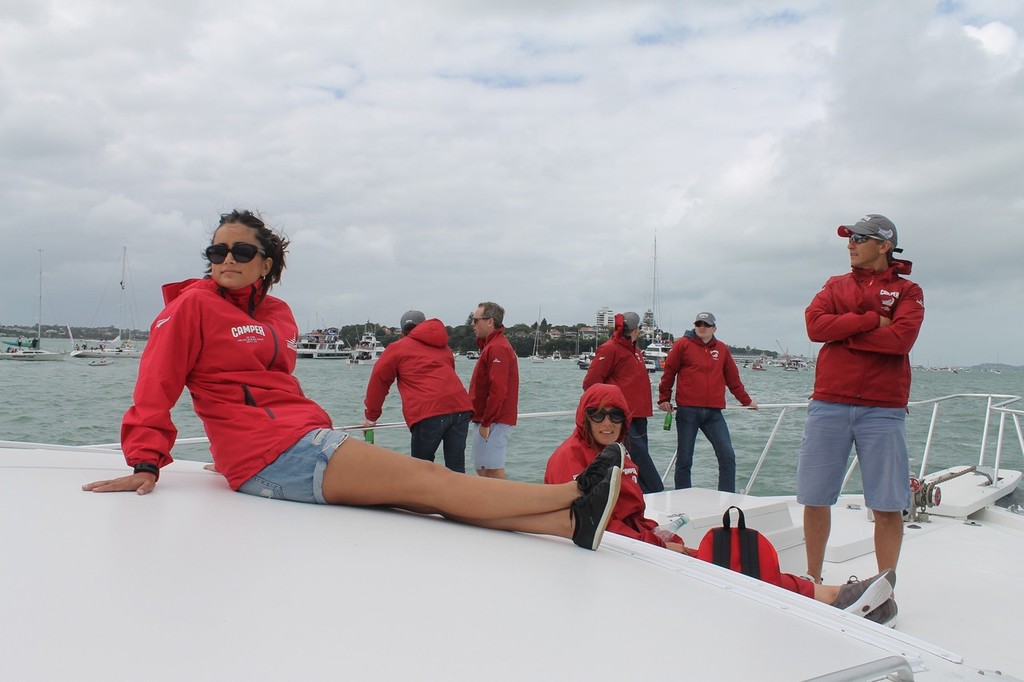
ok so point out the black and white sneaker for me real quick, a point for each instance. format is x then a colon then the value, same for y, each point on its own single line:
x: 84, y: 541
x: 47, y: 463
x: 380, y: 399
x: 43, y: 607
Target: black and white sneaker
x: 612, y: 456
x: 591, y: 511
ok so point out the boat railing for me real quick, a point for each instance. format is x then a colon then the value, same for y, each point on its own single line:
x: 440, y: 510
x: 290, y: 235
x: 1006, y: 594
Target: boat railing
x: 996, y: 404
x: 1003, y: 405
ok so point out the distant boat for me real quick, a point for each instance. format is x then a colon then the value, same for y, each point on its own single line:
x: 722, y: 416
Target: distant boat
x: 117, y: 347
x: 472, y: 355
x: 584, y: 360
x: 556, y: 355
x: 655, y: 356
x: 32, y: 352
x: 100, y: 362
x: 323, y: 344
x: 367, y: 351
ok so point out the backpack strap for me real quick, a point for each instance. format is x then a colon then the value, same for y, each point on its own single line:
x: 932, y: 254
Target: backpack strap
x: 722, y: 544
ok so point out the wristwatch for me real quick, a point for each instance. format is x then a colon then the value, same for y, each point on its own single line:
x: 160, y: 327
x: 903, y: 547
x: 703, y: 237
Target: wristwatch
x: 147, y: 468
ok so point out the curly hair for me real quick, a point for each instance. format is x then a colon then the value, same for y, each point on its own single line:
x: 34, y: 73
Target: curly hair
x: 275, y: 245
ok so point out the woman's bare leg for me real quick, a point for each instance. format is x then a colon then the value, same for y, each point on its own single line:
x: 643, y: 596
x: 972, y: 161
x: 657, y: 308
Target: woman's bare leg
x: 361, y: 474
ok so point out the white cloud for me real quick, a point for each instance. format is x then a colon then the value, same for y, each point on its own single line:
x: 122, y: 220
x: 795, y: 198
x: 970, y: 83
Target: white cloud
x: 435, y: 155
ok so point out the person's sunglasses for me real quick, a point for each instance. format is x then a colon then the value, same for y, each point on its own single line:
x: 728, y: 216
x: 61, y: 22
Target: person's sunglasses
x: 702, y: 324
x: 480, y: 319
x: 861, y: 238
x: 597, y: 416
x: 241, y: 251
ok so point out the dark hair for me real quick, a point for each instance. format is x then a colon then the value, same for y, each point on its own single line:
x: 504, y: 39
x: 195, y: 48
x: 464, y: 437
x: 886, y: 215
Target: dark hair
x: 274, y: 244
x: 493, y: 311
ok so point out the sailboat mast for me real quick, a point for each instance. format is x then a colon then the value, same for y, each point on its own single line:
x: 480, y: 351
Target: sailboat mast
x: 120, y: 302
x: 39, y: 320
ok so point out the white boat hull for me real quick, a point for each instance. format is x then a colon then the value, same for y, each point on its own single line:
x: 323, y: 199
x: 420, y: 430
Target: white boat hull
x: 180, y: 584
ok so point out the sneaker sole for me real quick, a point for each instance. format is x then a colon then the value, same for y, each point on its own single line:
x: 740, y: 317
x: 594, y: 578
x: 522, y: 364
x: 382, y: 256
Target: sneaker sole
x: 874, y: 596
x: 613, y: 497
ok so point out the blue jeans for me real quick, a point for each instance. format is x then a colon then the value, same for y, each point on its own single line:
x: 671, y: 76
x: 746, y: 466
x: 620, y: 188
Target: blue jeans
x: 712, y: 424
x: 451, y: 429
x: 646, y: 473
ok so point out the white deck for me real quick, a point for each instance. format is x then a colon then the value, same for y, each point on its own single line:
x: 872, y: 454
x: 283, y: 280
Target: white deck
x: 196, y: 582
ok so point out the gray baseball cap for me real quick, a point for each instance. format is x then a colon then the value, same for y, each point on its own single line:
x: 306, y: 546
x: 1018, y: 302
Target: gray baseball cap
x: 872, y: 225
x: 630, y: 321
x: 411, y: 318
x: 705, y: 317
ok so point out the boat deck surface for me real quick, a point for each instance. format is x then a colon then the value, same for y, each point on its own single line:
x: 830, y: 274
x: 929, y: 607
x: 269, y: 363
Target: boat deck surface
x: 197, y: 582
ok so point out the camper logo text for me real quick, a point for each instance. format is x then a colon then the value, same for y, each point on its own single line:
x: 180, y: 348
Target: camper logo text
x: 249, y: 333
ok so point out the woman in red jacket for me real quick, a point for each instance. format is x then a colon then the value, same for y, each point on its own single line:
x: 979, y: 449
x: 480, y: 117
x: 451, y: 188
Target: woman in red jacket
x: 602, y: 419
x: 233, y: 346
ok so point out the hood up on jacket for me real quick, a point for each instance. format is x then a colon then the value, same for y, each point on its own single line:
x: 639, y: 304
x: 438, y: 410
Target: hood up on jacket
x: 600, y: 396
x: 430, y: 332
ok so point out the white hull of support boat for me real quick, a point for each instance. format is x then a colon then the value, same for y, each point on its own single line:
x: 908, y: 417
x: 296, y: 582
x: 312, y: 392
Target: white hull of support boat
x: 31, y: 355
x: 107, y: 353
x: 186, y: 571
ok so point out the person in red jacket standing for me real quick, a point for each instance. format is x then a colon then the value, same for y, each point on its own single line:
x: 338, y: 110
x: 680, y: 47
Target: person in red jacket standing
x: 494, y: 390
x: 234, y: 347
x: 435, y: 404
x: 868, y: 320
x: 619, y: 362
x: 704, y: 367
x: 602, y: 420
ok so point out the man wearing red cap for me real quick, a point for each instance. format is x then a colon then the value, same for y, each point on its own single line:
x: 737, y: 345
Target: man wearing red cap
x: 868, y: 321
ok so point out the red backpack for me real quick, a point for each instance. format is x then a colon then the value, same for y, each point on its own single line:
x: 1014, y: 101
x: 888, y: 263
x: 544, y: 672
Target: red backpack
x: 741, y: 549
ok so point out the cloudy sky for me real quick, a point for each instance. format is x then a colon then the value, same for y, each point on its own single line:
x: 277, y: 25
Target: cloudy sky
x: 435, y: 154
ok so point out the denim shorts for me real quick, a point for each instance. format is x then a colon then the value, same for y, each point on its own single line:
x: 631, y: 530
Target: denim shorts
x: 490, y: 453
x: 879, y: 434
x: 298, y: 473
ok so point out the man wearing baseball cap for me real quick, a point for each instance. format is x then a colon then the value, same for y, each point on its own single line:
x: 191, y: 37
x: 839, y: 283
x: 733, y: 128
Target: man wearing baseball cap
x: 435, y: 404
x: 868, y: 321
x: 705, y: 368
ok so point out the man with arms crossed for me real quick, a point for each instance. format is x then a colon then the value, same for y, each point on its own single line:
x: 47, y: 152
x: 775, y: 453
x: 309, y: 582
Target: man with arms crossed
x: 868, y: 320
x: 494, y: 390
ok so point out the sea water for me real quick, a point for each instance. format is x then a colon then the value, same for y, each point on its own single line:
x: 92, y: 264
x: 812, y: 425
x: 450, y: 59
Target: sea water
x: 73, y: 403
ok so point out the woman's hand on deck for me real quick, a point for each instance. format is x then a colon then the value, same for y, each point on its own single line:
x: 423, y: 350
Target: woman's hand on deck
x: 141, y: 483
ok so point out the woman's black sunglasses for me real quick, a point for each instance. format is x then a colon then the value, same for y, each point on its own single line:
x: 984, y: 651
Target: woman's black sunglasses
x: 241, y: 251
x: 597, y: 416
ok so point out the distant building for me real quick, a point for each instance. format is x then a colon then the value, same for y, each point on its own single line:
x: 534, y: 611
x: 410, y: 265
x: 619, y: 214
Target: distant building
x: 605, y: 317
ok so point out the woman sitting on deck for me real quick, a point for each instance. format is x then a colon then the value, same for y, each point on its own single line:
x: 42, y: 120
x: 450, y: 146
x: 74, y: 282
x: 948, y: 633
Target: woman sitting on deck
x: 602, y: 420
x: 233, y: 346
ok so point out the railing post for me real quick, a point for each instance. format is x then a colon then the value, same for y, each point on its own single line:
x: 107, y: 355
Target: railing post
x: 928, y: 441
x: 764, y: 453
x: 984, y: 432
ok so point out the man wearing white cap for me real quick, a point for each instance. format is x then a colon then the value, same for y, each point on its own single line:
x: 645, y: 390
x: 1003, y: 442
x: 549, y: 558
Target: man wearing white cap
x: 868, y: 321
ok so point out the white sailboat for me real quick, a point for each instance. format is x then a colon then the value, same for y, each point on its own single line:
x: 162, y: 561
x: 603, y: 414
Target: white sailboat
x: 32, y: 352
x: 535, y: 356
x: 117, y: 347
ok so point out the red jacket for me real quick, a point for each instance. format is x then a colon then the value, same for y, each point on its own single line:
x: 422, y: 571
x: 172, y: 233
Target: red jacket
x: 703, y: 372
x: 573, y: 456
x: 862, y: 363
x: 619, y: 362
x: 238, y: 369
x: 425, y: 368
x: 494, y: 386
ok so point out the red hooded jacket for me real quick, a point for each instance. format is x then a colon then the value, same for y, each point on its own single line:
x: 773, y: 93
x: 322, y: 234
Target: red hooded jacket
x: 862, y: 363
x: 494, y: 386
x: 425, y: 368
x: 573, y: 456
x: 618, y: 361
x: 704, y: 371
x: 237, y: 367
